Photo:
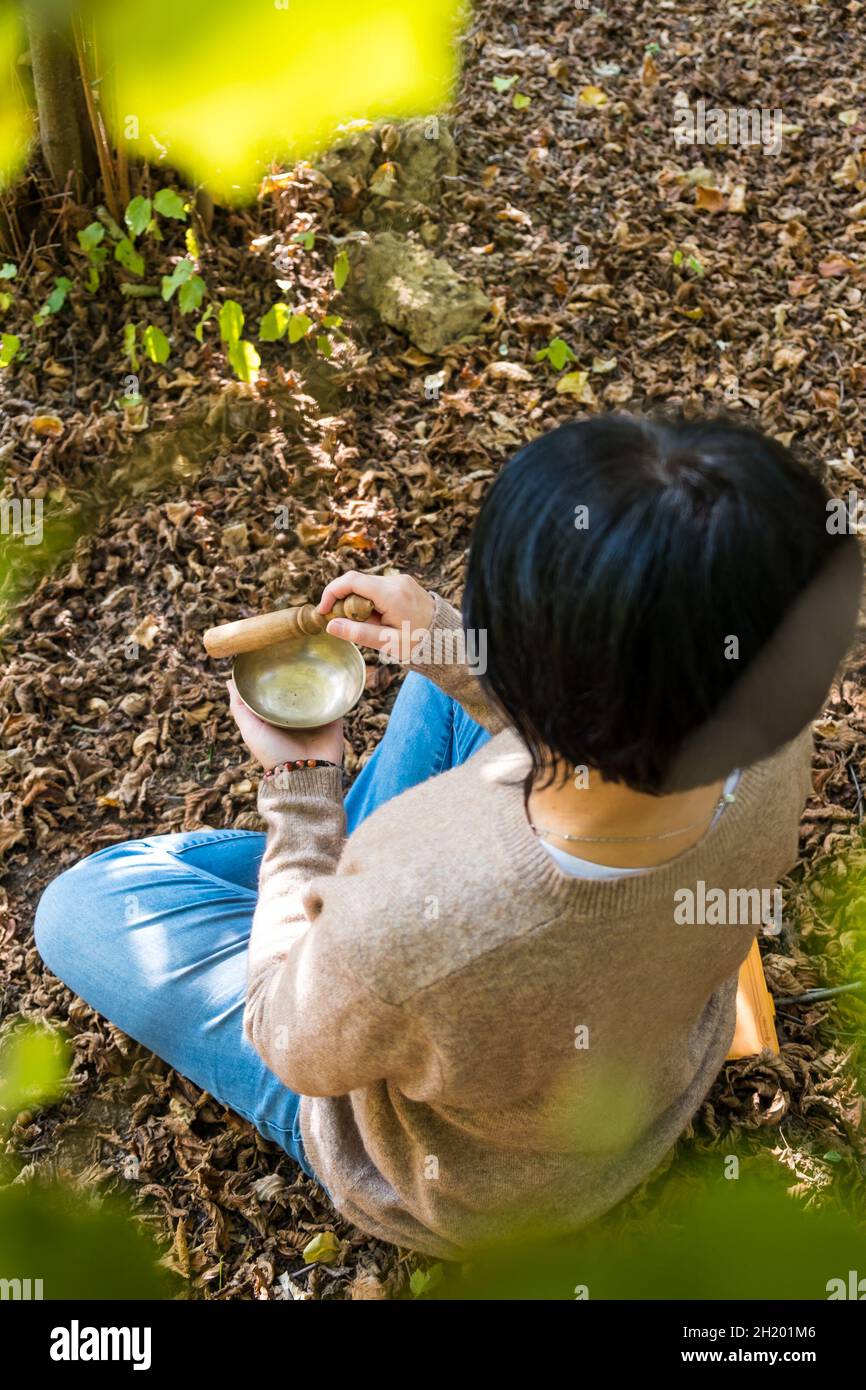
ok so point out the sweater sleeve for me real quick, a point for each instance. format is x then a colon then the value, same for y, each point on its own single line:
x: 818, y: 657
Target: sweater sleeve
x: 447, y: 658
x: 309, y: 1016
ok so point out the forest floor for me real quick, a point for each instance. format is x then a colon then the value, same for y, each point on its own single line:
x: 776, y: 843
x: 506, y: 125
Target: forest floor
x: 693, y: 277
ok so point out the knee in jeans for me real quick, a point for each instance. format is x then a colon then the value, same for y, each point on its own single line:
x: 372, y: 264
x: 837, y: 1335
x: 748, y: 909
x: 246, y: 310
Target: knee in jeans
x: 62, y: 909
x: 54, y: 919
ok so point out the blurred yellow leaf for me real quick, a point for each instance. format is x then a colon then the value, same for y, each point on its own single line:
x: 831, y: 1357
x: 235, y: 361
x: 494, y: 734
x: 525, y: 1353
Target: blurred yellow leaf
x: 46, y: 424
x: 289, y: 75
x: 33, y: 1065
x: 592, y: 96
x: 14, y: 119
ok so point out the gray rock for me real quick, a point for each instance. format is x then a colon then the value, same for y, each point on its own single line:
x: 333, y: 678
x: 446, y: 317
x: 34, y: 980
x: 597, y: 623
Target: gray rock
x: 425, y: 154
x: 416, y: 292
x: 405, y: 161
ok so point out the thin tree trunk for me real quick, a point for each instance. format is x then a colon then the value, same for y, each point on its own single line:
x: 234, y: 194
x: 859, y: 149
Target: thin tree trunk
x: 58, y: 98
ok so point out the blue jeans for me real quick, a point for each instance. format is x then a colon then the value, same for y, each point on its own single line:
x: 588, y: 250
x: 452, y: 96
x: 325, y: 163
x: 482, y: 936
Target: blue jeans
x: 153, y: 933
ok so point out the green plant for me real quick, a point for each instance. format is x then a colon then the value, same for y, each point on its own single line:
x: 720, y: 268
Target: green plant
x: 341, y: 269
x: 8, y: 271
x: 680, y: 257
x: 557, y: 353
x: 10, y: 346
x: 55, y: 301
x: 244, y: 359
x: 90, y: 240
x: 155, y: 344
x: 191, y: 286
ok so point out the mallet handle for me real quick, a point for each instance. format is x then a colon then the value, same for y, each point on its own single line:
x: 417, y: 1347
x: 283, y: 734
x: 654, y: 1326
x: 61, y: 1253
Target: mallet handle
x: 250, y: 634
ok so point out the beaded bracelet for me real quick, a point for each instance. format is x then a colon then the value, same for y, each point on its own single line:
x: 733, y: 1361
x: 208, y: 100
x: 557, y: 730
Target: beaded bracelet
x: 297, y: 763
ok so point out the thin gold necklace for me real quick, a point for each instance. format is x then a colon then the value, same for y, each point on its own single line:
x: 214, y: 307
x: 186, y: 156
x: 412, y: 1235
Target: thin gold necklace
x: 724, y: 800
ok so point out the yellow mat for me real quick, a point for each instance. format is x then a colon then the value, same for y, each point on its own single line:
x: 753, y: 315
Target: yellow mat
x: 756, y: 1028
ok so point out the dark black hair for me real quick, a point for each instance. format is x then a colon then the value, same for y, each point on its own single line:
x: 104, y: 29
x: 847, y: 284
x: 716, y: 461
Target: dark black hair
x: 629, y: 573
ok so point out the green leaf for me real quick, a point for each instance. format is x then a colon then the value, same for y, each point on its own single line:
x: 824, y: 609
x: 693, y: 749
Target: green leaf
x: 191, y: 294
x: 299, y: 327
x: 677, y: 257
x: 305, y: 239
x: 5, y: 301
x: 341, y: 269
x: 503, y: 83
x: 694, y: 264
x: 191, y: 243
x: 8, y: 271
x: 179, y: 276
x: 424, y: 1281
x: 557, y: 354
x: 324, y: 345
x: 137, y: 215
x: 231, y: 321
x: 275, y: 322
x: 244, y: 359
x: 199, y: 328
x: 91, y: 236
x: 56, y: 300
x: 520, y: 101
x: 331, y: 321
x: 130, y: 333
x: 9, y: 346
x: 156, y: 344
x: 832, y: 1156
x: 324, y: 1248
x: 131, y: 259
x: 168, y: 204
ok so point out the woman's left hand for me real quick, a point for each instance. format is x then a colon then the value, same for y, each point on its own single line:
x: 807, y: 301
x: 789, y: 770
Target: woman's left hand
x: 273, y: 747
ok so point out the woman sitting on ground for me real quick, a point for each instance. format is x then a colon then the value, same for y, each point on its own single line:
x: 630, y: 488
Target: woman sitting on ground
x: 462, y: 997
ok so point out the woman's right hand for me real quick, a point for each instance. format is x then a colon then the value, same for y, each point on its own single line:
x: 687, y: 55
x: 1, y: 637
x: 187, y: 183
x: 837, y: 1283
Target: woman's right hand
x: 402, y: 611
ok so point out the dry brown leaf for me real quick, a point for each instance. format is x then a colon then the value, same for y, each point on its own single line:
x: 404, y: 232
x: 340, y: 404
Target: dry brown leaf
x: 709, y: 199
x: 509, y: 371
x: 147, y: 632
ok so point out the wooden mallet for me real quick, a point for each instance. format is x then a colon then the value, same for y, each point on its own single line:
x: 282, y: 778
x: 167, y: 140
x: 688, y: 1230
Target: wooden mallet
x: 251, y: 634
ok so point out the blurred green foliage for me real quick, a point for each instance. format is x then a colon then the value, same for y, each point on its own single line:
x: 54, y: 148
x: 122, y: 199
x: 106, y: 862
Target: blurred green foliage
x: 33, y: 1065
x: 225, y: 89
x: 79, y: 1246
x: 707, y: 1237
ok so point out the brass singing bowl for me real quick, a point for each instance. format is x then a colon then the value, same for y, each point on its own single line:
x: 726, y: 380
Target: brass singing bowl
x: 301, y: 683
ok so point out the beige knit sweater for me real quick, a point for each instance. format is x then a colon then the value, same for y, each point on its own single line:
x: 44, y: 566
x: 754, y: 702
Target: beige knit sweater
x: 486, y: 1046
